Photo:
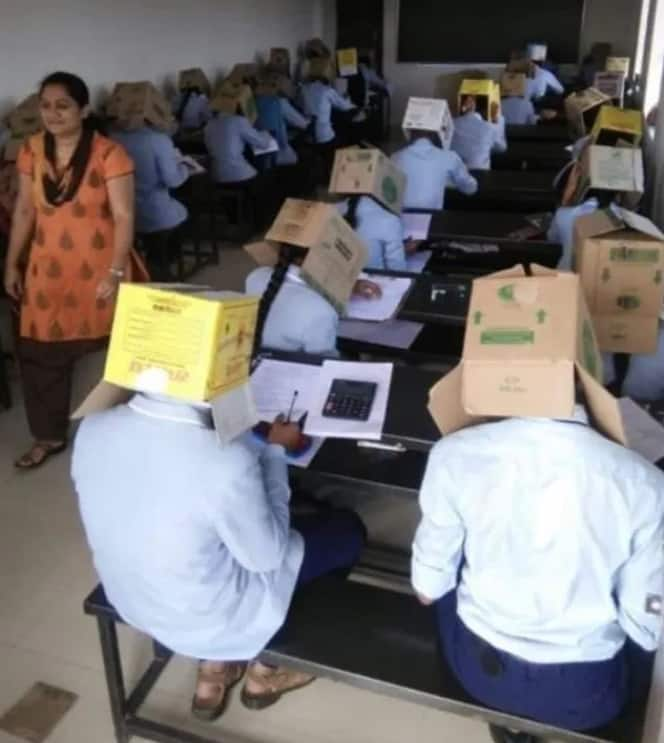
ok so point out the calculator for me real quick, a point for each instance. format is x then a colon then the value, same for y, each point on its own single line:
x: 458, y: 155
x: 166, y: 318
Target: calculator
x: 350, y: 399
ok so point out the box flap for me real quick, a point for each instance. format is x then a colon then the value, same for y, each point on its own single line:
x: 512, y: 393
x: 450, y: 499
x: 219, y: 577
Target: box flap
x: 102, y: 397
x: 264, y: 253
x: 637, y: 222
x: 599, y: 222
x: 604, y: 407
x: 445, y: 403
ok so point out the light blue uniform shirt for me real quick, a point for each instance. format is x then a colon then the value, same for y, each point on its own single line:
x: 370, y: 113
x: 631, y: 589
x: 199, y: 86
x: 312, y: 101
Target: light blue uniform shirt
x: 475, y: 139
x: 196, y: 112
x: 562, y: 229
x: 318, y: 100
x: 294, y: 120
x: 645, y: 377
x: 157, y: 169
x: 519, y: 111
x: 190, y: 538
x: 382, y: 232
x: 544, y: 80
x: 559, y: 532
x: 300, y: 319
x: 429, y: 171
x: 226, y: 136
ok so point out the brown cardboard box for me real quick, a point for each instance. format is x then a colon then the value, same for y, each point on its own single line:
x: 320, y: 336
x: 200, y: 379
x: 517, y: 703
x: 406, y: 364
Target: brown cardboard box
x: 132, y: 104
x: 513, y: 84
x: 521, y: 66
x: 194, y: 78
x: 316, y: 48
x: 582, y: 109
x: 274, y: 83
x: 320, y: 67
x: 368, y: 172
x: 611, y: 84
x: 25, y: 119
x: 280, y: 60
x: 619, y: 256
x: 231, y: 97
x: 527, y: 340
x: 610, y: 169
x: 244, y: 73
x: 335, y: 257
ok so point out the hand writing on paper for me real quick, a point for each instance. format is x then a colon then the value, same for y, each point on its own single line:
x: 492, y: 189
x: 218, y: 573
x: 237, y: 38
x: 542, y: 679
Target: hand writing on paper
x: 367, y: 289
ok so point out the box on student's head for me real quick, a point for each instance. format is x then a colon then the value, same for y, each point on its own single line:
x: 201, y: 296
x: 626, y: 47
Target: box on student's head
x: 611, y: 84
x: 487, y: 97
x: 618, y: 64
x: 521, y: 66
x: 194, y: 347
x: 316, y: 48
x: 244, y: 74
x: 538, y: 52
x: 619, y: 256
x: 134, y: 104
x: 369, y: 172
x: 429, y: 115
x: 25, y: 119
x: 513, y: 84
x: 272, y: 82
x: 528, y: 340
x: 582, y: 109
x: 280, y: 60
x: 235, y: 98
x: 335, y: 256
x: 319, y: 67
x: 192, y: 79
x: 618, y: 127
x: 618, y: 169
x: 347, y: 62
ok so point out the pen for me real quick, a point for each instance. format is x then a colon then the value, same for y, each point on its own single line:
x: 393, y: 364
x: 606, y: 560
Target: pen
x: 303, y: 420
x: 292, y: 405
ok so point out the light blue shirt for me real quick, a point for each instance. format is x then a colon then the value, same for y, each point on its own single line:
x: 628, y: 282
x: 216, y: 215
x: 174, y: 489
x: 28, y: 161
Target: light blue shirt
x: 544, y: 80
x: 226, y: 136
x: 519, y: 111
x: 429, y: 171
x: 475, y: 139
x: 382, y: 232
x: 318, y: 100
x: 562, y: 229
x: 158, y: 168
x: 196, y: 112
x: 559, y: 534
x: 190, y: 538
x: 372, y: 81
x: 294, y: 120
x: 300, y: 319
x: 645, y: 377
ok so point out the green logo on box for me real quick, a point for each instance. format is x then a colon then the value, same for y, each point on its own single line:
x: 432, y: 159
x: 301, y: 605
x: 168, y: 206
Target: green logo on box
x: 635, y: 255
x: 506, y: 293
x: 390, y: 190
x: 507, y: 337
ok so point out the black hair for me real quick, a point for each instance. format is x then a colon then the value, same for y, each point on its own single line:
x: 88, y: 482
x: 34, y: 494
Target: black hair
x: 76, y: 88
x: 186, y: 95
x: 351, y: 214
x: 603, y: 196
x: 288, y: 254
x: 433, y: 137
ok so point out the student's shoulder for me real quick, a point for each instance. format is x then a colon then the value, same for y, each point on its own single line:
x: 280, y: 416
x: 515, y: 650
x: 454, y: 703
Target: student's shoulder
x: 258, y: 279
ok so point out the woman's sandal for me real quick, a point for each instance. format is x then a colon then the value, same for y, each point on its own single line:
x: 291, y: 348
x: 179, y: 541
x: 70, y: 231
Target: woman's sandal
x: 209, y: 710
x: 39, y: 453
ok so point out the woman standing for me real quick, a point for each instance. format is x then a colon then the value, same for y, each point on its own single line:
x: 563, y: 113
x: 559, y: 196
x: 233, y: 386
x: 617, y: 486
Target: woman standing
x: 76, y: 207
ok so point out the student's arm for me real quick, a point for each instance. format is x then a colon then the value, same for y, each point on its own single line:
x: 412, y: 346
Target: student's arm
x: 253, y: 137
x: 339, y: 102
x: 499, y: 136
x: 251, y: 515
x: 292, y: 116
x: 374, y: 80
x: 172, y: 172
x: 552, y: 82
x: 321, y: 335
x: 394, y: 252
x: 554, y: 234
x: 438, y: 545
x: 460, y: 177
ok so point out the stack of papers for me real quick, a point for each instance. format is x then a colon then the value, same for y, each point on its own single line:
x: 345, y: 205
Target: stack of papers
x: 394, y: 290
x: 399, y: 334
x: 416, y: 226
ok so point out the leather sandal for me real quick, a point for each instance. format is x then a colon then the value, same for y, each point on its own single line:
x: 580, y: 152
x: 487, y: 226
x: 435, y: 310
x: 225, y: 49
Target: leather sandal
x: 270, y: 684
x: 39, y: 453
x: 210, y: 709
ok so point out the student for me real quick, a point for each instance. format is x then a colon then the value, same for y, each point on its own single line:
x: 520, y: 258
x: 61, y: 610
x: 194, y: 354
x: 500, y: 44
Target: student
x: 474, y: 138
x: 429, y: 170
x: 543, y: 82
x: 319, y: 99
x: 561, y: 229
x: 295, y: 121
x: 192, y: 109
x: 381, y: 230
x: 519, y: 111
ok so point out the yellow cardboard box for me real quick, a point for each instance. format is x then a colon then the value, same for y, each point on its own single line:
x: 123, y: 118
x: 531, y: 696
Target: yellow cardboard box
x: 369, y: 172
x: 347, y: 62
x: 618, y: 127
x: 232, y: 97
x: 132, y: 104
x: 582, y: 108
x: 619, y: 256
x: 618, y: 64
x: 487, y: 97
x: 25, y: 119
x: 194, y: 78
x: 528, y: 338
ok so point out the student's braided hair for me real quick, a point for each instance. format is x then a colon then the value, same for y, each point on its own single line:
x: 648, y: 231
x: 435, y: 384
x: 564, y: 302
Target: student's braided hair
x: 351, y: 214
x: 287, y: 255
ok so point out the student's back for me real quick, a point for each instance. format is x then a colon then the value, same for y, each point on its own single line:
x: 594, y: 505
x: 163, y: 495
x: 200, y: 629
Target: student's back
x: 192, y: 110
x: 518, y: 111
x: 226, y: 137
x: 382, y: 232
x: 474, y: 140
x: 318, y: 99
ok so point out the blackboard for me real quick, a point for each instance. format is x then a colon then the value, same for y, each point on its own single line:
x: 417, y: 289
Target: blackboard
x: 486, y: 31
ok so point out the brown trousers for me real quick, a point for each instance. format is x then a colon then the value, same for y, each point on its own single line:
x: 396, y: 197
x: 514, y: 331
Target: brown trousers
x: 47, y: 371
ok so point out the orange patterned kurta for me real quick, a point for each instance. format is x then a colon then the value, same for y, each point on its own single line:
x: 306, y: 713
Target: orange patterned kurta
x: 72, y: 250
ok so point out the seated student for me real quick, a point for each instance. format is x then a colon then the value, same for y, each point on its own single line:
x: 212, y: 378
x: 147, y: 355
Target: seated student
x: 474, y: 138
x: 381, y: 230
x: 561, y: 229
x: 544, y: 82
x: 295, y: 121
x: 541, y: 545
x: 639, y: 375
x: 194, y: 542
x: 518, y: 111
x: 191, y: 108
x: 319, y: 98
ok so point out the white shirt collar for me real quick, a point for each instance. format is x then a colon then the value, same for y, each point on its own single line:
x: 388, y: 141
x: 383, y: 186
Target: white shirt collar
x: 294, y: 275
x: 174, y: 411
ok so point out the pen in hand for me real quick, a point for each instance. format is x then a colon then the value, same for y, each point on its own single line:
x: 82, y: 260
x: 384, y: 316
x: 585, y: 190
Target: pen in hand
x: 292, y: 405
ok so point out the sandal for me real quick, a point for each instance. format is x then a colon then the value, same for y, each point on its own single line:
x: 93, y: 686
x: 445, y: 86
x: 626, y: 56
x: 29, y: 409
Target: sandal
x: 265, y: 685
x: 38, y: 454
x: 209, y: 710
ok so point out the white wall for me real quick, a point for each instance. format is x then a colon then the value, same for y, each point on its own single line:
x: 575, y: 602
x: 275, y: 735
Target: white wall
x: 106, y: 41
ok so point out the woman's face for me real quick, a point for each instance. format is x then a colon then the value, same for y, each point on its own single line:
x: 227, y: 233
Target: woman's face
x: 60, y: 113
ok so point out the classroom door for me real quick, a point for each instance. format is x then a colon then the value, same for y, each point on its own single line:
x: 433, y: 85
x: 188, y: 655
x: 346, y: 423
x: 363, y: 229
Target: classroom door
x: 360, y: 24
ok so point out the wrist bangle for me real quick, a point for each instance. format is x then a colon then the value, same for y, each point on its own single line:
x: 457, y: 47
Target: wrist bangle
x: 117, y: 272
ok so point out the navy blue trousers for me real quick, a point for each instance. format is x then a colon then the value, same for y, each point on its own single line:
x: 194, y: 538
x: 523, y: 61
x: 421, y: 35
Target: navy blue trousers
x: 574, y: 696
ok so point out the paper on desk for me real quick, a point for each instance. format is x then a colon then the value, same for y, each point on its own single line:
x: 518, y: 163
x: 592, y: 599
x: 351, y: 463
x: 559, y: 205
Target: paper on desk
x: 391, y: 333
x: 416, y: 226
x: 306, y: 459
x: 193, y: 165
x: 394, y: 290
x: 272, y: 147
x: 274, y: 383
x: 417, y: 263
x: 318, y: 425
x: 644, y: 434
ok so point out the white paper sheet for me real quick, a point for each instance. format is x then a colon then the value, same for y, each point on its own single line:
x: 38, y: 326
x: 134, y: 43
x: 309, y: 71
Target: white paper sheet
x: 318, y: 425
x: 416, y: 226
x: 274, y: 384
x: 417, y: 263
x: 234, y: 413
x: 394, y: 290
x: 272, y: 147
x: 644, y: 434
x: 399, y: 334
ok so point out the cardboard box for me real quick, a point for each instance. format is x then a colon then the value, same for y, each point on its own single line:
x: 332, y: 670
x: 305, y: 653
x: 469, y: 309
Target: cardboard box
x: 619, y: 256
x: 611, y: 84
x: 513, y: 84
x: 618, y: 64
x: 582, y: 109
x: 244, y: 73
x: 521, y: 66
x: 133, y: 104
x: 335, y: 257
x: 280, y: 60
x: 194, y: 78
x: 369, y: 172
x: 487, y: 97
x: 25, y: 119
x: 429, y: 115
x: 528, y: 338
x: 274, y: 83
x: 537, y: 52
x: 232, y: 97
x: 618, y: 127
x: 617, y: 169
x: 319, y: 67
x: 347, y: 62
x: 316, y: 48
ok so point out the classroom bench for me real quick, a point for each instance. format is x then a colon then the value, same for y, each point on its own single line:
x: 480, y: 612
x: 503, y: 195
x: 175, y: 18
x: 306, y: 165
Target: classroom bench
x: 507, y: 190
x: 531, y: 156
x: 544, y: 132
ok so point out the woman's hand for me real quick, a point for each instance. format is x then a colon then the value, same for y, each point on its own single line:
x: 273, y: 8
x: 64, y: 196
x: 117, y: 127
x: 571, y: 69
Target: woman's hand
x: 107, y: 287
x: 14, y: 282
x: 367, y: 289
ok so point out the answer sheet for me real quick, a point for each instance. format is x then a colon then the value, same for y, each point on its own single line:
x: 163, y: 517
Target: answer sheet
x: 399, y: 334
x: 417, y: 263
x: 416, y: 226
x: 394, y: 290
x: 274, y: 384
